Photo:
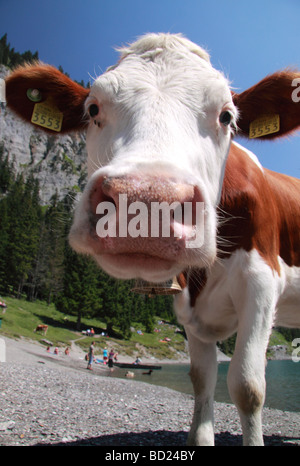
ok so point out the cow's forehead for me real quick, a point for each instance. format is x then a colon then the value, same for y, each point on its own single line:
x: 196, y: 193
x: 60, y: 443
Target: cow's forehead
x: 170, y: 64
x: 151, y: 44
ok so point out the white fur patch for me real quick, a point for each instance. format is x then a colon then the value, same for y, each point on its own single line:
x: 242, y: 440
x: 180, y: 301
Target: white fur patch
x: 250, y: 154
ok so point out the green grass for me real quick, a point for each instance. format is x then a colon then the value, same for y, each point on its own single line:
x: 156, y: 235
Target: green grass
x: 277, y: 338
x: 22, y: 317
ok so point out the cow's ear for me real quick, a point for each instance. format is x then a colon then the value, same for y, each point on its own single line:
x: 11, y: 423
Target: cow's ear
x: 43, y: 84
x: 271, y: 107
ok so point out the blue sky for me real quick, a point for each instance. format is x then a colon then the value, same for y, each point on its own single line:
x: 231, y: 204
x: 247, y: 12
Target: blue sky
x: 246, y: 40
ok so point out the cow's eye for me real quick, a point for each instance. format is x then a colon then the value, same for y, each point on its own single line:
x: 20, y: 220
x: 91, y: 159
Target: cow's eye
x: 225, y: 118
x: 93, y: 110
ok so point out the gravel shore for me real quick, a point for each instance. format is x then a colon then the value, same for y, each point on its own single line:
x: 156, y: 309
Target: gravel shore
x: 48, y: 400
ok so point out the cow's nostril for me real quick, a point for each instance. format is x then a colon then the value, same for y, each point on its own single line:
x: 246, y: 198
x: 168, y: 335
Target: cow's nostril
x: 100, y: 193
x: 107, y: 184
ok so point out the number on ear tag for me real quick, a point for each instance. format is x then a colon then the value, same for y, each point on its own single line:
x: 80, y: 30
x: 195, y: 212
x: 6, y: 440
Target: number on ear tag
x: 264, y: 125
x: 47, y: 115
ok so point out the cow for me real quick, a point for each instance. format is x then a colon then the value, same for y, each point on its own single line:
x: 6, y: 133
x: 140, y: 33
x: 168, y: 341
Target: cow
x: 41, y: 328
x: 160, y: 129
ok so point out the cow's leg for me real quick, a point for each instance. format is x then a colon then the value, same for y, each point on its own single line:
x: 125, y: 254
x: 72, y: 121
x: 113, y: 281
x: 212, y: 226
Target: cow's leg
x: 246, y: 375
x: 246, y: 384
x: 203, y: 374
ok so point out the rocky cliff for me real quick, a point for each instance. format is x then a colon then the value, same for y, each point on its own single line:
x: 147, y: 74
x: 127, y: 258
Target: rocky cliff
x: 59, y: 162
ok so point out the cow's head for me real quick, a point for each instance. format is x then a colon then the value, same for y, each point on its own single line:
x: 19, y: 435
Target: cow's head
x: 159, y: 128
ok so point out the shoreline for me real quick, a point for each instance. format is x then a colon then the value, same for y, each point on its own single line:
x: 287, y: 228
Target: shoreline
x: 26, y: 350
x: 15, y: 347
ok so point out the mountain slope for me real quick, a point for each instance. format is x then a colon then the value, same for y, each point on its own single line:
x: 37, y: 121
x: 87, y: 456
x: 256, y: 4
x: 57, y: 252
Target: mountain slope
x: 59, y: 162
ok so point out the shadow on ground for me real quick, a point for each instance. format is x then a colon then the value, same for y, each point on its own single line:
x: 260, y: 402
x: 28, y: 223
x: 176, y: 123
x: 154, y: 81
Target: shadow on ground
x: 166, y: 438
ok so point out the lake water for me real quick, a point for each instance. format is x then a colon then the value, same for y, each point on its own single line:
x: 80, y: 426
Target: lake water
x: 283, y: 382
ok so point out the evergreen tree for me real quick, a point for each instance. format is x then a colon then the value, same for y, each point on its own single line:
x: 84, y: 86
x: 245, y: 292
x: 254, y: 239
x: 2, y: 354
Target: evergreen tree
x: 4, y: 50
x: 6, y: 180
x: 22, y: 230
x: 148, y: 316
x: 4, y: 243
x: 164, y: 308
x: 81, y: 295
x: 117, y: 305
x: 123, y: 308
x: 6, y: 171
x: 10, y: 58
x: 57, y: 223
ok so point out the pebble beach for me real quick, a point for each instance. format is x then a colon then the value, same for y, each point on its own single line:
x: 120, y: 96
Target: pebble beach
x: 53, y: 400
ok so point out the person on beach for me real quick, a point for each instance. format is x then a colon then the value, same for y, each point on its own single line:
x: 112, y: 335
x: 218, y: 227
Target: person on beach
x: 111, y: 360
x: 91, y: 356
x: 105, y: 353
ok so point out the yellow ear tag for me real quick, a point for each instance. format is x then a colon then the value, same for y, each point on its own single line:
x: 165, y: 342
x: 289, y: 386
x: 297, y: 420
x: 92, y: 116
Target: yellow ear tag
x: 266, y: 124
x: 46, y: 114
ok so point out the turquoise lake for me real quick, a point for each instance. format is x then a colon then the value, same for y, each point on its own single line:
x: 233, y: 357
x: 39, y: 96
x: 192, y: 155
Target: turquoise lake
x: 283, y: 382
